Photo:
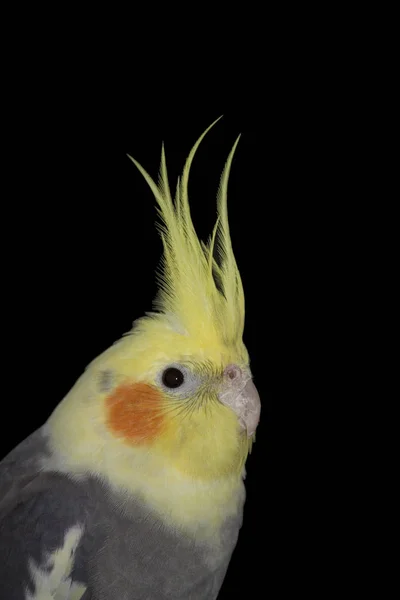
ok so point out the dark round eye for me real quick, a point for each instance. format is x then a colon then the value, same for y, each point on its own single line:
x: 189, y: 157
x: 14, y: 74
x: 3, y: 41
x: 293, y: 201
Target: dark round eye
x: 172, y: 377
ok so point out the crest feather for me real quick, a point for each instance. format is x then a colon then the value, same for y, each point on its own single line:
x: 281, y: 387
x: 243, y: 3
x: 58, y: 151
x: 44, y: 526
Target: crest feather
x: 204, y: 293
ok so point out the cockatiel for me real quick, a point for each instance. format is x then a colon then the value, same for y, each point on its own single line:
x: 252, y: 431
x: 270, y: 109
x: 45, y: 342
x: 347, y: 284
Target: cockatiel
x: 133, y: 488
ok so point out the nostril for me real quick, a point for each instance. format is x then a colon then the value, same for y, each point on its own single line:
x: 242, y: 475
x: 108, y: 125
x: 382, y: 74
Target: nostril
x: 232, y: 371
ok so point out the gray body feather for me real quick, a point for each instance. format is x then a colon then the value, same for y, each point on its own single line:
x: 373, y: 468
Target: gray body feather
x: 117, y: 549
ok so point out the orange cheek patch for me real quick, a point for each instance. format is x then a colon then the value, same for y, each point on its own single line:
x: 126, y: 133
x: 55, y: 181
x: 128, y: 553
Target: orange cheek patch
x: 134, y: 412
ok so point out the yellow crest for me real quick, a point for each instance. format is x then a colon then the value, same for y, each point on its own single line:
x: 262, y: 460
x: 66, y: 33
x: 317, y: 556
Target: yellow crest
x: 203, y: 294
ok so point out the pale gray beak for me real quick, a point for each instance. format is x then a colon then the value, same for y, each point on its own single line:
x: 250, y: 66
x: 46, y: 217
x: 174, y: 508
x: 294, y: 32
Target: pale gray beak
x: 240, y: 394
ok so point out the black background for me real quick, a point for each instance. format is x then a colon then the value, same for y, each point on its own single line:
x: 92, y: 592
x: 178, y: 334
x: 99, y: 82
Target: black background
x: 310, y: 89
x: 81, y: 249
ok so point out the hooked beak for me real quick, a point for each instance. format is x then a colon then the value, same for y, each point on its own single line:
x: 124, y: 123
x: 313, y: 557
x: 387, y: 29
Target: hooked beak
x: 240, y: 394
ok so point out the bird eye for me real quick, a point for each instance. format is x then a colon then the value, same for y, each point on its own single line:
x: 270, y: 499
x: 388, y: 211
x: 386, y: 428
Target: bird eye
x: 172, y: 377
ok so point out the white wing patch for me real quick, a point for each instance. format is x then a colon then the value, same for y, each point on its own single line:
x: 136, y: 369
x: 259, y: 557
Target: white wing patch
x: 54, y: 582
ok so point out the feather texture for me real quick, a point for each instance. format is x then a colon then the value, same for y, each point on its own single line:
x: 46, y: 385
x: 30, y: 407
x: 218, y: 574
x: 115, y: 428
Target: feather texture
x: 204, y: 294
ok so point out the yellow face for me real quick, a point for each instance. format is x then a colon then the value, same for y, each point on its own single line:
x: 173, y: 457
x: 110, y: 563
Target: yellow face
x: 165, y: 398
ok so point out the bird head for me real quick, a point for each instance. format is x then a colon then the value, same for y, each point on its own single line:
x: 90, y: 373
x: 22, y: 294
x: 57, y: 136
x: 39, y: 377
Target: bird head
x: 179, y: 385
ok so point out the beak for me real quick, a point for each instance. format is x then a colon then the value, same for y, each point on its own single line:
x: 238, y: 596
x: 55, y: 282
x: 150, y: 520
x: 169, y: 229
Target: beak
x: 250, y: 401
x: 240, y: 394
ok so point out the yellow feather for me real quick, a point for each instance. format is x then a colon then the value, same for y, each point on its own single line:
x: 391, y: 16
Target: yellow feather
x: 188, y: 287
